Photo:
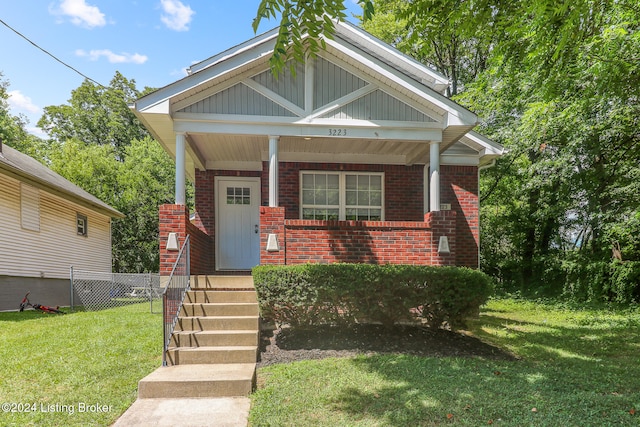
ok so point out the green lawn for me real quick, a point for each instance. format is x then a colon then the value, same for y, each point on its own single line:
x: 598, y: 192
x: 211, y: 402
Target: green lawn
x: 80, y: 369
x: 578, y: 367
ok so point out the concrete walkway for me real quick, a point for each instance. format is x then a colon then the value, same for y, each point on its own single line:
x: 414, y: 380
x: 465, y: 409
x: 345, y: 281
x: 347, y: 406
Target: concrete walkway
x: 187, y: 412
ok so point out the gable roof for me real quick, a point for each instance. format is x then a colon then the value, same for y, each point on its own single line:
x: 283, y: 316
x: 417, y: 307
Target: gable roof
x: 26, y: 169
x: 391, y: 105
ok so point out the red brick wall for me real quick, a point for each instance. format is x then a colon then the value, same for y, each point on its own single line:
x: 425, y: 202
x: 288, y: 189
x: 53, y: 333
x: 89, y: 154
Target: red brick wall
x: 375, y: 242
x: 442, y: 223
x: 201, y: 247
x: 403, y: 187
x: 173, y: 219
x: 460, y: 188
x: 406, y: 240
x: 272, y: 222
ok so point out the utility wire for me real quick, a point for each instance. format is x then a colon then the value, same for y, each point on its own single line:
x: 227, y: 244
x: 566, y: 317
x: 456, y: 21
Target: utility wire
x: 50, y: 54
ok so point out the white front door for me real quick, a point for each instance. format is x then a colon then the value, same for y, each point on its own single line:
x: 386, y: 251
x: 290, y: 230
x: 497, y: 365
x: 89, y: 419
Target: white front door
x: 237, y: 223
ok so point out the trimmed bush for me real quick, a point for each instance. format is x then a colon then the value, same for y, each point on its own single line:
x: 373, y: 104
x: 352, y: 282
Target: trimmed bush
x: 346, y: 293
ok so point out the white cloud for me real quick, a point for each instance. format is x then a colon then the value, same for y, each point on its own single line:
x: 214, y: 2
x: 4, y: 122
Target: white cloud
x: 19, y: 101
x: 176, y: 16
x: 113, y: 58
x: 81, y: 13
x: 182, y: 72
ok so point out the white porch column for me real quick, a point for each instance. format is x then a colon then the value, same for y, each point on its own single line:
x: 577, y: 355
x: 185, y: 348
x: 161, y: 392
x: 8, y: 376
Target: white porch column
x: 434, y: 180
x: 180, y: 169
x: 273, y: 170
x: 425, y: 188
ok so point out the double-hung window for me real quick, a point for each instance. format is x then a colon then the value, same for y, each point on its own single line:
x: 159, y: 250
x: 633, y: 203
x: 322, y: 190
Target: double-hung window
x: 82, y: 225
x: 342, y: 196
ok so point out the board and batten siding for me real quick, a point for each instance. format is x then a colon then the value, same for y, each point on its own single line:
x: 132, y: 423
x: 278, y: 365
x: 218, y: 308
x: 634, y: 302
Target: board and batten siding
x: 49, y: 252
x: 330, y: 83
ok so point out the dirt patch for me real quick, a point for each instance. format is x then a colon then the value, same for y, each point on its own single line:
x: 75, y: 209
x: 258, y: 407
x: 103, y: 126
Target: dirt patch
x: 290, y: 344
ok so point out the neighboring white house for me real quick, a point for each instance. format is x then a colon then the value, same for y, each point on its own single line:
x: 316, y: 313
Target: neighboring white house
x: 47, y: 225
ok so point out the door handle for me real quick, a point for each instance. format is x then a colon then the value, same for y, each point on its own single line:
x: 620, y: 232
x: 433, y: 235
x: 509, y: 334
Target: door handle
x: 257, y: 230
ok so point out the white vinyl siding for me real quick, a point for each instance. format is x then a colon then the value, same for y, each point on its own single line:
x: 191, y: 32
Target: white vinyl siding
x: 29, y: 207
x: 50, y: 252
x: 342, y: 196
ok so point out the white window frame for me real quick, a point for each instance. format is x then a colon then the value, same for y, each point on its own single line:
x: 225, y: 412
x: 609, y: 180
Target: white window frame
x: 85, y: 232
x: 342, y: 186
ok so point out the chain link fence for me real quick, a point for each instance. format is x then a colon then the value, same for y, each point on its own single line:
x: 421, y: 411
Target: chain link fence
x: 98, y: 290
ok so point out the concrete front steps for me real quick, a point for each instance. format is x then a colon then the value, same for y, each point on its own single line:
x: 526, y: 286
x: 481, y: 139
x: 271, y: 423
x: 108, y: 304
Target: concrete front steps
x: 214, y: 348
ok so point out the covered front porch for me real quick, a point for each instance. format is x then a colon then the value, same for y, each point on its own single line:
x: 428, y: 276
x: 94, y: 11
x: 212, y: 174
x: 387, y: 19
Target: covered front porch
x: 352, y: 156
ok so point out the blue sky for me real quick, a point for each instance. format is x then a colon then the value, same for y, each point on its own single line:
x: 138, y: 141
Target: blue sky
x: 150, y: 41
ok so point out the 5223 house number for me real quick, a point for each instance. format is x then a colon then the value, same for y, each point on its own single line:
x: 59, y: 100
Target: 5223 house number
x: 337, y: 132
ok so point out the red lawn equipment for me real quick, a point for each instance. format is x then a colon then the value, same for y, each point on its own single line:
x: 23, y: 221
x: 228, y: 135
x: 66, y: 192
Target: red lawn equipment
x: 43, y: 308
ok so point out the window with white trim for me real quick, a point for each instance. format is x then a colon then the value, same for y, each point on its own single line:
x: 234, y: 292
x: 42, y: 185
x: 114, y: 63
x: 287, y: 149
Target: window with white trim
x: 342, y: 196
x: 82, y: 225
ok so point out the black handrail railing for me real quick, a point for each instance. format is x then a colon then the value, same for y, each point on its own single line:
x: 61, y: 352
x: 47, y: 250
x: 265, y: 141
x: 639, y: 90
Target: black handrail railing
x: 173, y: 294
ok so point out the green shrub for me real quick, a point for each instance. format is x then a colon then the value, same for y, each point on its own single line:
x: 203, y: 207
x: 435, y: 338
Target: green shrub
x: 624, y: 286
x: 602, y: 281
x: 388, y: 294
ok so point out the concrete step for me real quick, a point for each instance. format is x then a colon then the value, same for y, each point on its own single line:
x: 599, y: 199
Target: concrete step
x: 222, y: 282
x: 220, y: 296
x: 220, y: 309
x: 214, y: 338
x: 198, y: 381
x: 208, y: 323
x: 211, y: 355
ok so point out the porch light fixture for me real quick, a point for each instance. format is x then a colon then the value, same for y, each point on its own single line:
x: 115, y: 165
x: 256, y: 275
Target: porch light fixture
x: 172, y: 242
x: 443, y: 246
x: 272, y: 243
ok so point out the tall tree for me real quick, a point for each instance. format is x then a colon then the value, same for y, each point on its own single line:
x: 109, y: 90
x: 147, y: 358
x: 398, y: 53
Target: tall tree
x: 436, y: 33
x: 97, y: 115
x: 299, y: 18
x: 558, y: 83
x: 13, y: 131
x: 97, y: 143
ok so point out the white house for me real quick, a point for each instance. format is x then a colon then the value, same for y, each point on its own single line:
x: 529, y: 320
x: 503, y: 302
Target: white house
x: 47, y: 224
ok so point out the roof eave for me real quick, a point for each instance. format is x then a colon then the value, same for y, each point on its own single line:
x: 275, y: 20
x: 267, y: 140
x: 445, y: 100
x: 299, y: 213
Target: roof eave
x: 23, y: 176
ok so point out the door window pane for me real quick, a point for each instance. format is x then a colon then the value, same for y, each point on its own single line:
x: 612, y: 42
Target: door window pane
x: 238, y: 195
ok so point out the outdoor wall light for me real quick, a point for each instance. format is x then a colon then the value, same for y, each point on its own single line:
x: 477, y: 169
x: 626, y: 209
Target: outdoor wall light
x: 172, y: 242
x: 443, y: 246
x: 272, y: 243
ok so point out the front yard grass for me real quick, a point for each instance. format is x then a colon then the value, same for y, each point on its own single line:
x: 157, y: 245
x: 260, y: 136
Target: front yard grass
x: 577, y: 367
x: 80, y: 369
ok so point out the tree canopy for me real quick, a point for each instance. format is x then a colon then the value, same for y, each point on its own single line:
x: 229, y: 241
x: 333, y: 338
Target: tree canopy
x: 97, y: 143
x: 557, y: 82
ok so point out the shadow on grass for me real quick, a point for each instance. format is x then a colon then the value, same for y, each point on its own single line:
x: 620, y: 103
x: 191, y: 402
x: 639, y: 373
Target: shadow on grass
x: 19, y: 316
x: 577, y: 374
x: 602, y: 343
x: 438, y: 391
x: 576, y: 368
x: 572, y: 373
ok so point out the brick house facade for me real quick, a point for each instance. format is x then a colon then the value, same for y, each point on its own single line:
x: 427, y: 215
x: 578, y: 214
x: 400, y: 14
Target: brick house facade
x: 356, y: 157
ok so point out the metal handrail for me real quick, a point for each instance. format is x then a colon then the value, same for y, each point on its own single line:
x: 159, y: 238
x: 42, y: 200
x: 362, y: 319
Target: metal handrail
x: 173, y: 294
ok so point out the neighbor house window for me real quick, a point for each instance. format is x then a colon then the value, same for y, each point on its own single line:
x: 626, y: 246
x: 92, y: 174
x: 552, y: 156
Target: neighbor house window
x: 81, y: 225
x: 342, y: 196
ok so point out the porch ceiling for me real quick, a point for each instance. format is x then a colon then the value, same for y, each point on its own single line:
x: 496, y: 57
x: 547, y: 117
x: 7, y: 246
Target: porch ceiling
x: 222, y: 150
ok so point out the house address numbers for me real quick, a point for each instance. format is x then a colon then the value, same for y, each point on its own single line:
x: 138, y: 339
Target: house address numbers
x: 337, y: 132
